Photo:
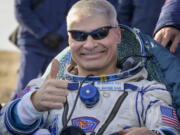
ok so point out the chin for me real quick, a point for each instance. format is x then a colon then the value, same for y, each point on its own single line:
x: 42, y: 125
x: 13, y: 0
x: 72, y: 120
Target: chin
x: 92, y: 67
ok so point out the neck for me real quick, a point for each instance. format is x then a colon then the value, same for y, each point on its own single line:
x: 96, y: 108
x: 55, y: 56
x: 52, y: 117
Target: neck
x: 96, y: 72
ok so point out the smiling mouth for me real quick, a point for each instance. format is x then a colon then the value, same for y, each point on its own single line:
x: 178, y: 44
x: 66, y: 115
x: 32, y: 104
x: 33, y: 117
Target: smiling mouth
x: 92, y: 53
x: 92, y: 56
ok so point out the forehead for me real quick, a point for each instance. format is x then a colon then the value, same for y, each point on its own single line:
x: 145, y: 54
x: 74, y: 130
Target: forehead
x: 87, y: 23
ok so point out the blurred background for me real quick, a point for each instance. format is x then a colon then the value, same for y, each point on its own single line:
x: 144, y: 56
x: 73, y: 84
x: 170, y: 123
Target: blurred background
x: 9, y: 54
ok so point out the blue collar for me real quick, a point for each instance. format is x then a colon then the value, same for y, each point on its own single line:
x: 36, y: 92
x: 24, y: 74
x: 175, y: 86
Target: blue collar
x: 104, y: 78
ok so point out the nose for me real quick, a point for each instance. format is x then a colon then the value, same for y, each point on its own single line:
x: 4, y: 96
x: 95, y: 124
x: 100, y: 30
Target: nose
x: 90, y: 43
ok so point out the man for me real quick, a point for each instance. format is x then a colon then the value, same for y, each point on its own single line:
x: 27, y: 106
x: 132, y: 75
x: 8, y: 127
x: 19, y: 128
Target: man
x: 42, y: 35
x: 93, y: 97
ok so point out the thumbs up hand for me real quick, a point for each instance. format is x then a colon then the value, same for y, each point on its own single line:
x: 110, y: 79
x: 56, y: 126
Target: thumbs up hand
x: 54, y: 69
x: 53, y: 93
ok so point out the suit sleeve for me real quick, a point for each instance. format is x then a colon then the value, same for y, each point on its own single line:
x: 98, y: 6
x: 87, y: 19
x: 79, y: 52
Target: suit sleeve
x: 170, y: 15
x: 158, y: 112
x: 28, y: 19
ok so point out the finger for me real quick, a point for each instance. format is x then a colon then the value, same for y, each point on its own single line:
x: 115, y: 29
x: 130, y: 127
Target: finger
x: 166, y: 38
x: 158, y: 37
x: 62, y: 84
x: 54, y: 69
x: 175, y: 44
x: 54, y: 98
x: 123, y: 132
x: 57, y: 91
x: 52, y: 105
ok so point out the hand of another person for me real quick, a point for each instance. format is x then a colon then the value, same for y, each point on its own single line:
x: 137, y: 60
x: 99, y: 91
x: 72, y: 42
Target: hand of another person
x: 137, y: 131
x: 52, y: 40
x: 167, y: 34
x: 53, y: 93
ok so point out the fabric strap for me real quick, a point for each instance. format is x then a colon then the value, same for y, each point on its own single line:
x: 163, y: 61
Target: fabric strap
x: 113, y: 113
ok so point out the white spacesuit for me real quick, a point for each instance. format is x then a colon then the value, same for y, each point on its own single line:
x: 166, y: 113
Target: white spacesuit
x: 100, y: 107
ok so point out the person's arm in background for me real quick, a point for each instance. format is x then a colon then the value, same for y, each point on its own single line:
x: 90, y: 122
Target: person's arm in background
x: 44, y: 21
x: 28, y: 19
x: 167, y: 31
x: 62, y: 30
x: 125, y: 11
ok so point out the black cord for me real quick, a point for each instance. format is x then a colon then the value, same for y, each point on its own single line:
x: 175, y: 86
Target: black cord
x: 75, y: 102
x: 120, y: 62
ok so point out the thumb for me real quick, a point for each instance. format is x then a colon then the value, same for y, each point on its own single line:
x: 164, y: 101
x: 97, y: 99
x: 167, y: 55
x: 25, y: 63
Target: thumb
x: 54, y: 69
x: 123, y: 132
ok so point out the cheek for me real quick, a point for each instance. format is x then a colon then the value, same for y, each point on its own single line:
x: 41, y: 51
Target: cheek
x: 72, y: 43
x: 112, y: 48
x: 111, y: 43
x: 70, y: 40
x: 74, y: 47
x: 116, y: 36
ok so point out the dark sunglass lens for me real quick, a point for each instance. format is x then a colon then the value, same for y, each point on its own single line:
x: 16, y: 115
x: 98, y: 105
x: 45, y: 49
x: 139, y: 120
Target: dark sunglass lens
x: 79, y: 36
x: 100, y: 33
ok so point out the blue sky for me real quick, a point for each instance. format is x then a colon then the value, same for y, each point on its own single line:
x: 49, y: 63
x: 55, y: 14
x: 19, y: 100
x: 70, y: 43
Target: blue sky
x: 7, y: 24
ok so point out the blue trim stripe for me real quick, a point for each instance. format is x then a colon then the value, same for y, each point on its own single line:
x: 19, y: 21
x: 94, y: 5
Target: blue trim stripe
x: 136, y: 106
x: 113, y: 77
x: 142, y: 104
x: 157, y: 89
x: 130, y: 86
x: 168, y: 131
x: 148, y: 107
x: 150, y: 88
x: 11, y: 124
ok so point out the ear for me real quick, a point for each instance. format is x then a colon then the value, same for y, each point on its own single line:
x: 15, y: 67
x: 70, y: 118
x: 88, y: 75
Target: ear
x: 118, y: 35
x: 69, y: 37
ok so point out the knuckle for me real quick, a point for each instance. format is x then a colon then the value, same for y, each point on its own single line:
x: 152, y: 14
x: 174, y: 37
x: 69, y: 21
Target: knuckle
x: 48, y: 82
x: 59, y: 105
x: 63, y: 99
x: 66, y: 92
x: 63, y: 92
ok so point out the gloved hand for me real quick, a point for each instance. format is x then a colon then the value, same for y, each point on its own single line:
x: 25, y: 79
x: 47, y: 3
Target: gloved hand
x: 52, y: 40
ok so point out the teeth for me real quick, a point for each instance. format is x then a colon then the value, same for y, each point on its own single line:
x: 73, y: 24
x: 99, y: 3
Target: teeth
x: 91, y: 53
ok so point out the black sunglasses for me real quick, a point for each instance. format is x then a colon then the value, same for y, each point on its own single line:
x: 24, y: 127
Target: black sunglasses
x: 96, y: 34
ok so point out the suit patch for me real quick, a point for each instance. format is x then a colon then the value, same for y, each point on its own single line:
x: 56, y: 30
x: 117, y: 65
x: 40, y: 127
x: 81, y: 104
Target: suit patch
x: 88, y: 124
x: 169, y: 117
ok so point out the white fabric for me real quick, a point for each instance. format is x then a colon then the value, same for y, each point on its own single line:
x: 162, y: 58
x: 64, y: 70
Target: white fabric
x: 42, y: 132
x: 127, y: 115
x: 26, y: 111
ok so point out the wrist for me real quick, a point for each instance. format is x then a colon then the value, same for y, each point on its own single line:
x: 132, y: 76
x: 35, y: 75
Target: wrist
x: 26, y: 110
x: 34, y: 100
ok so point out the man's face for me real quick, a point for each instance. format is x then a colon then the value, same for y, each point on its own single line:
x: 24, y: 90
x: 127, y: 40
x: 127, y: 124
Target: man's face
x: 95, y: 56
